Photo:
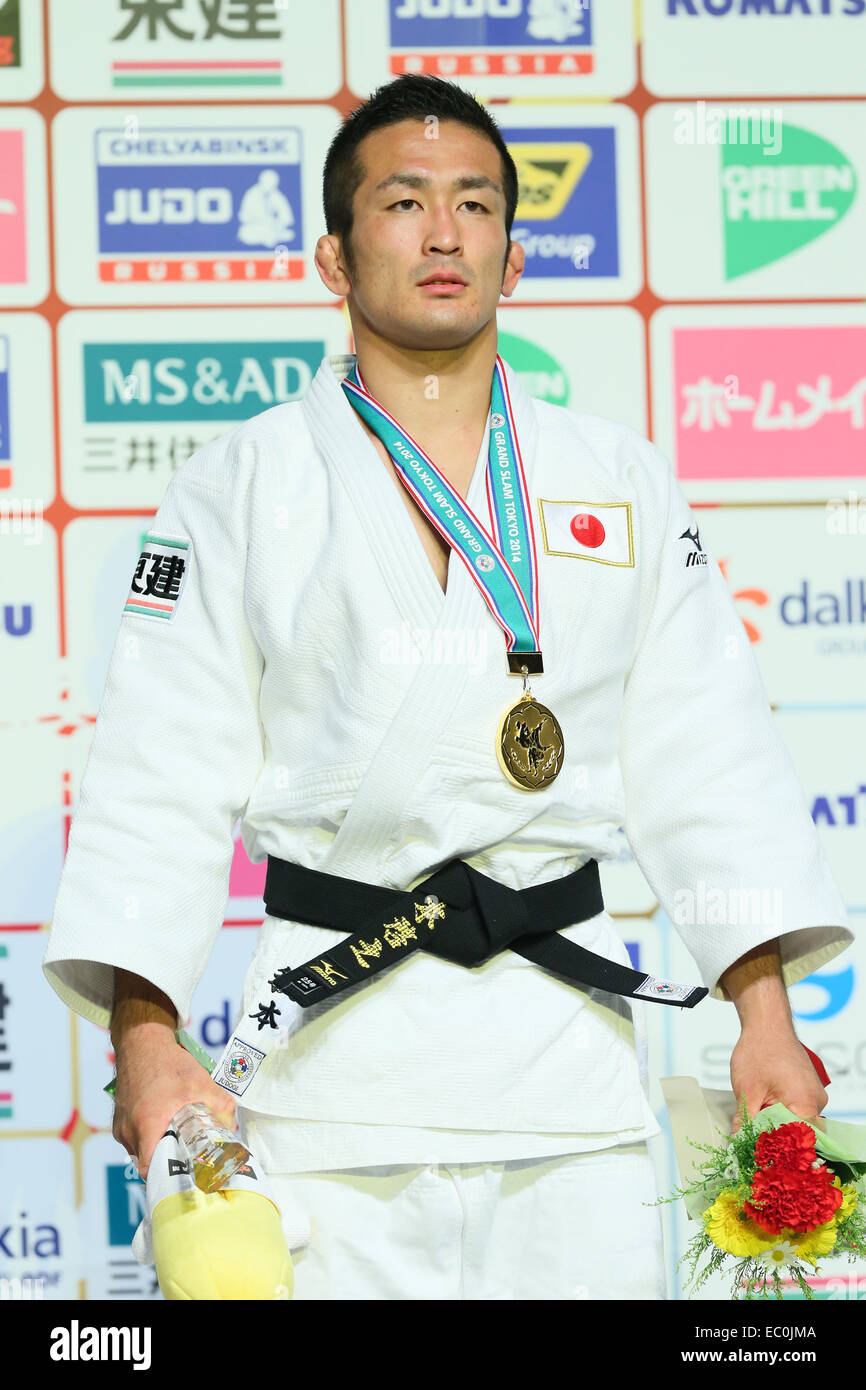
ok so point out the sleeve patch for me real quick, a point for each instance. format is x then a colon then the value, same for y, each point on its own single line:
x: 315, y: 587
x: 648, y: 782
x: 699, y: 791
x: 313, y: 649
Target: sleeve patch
x: 160, y: 576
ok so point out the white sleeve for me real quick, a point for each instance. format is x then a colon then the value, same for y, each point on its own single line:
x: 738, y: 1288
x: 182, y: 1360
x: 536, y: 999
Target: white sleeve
x: 714, y: 810
x: 176, y: 749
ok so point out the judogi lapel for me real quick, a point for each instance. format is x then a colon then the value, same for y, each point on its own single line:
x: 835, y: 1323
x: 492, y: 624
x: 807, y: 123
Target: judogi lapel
x: 434, y: 691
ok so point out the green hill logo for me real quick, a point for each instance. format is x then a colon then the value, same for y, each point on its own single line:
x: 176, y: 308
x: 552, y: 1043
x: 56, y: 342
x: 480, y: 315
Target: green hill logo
x: 770, y: 208
x: 541, y: 375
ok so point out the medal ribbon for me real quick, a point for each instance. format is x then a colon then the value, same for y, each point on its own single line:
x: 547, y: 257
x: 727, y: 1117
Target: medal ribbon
x: 505, y: 569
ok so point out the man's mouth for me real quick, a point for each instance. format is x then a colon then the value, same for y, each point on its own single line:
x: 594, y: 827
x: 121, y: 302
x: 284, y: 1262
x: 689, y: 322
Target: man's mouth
x: 442, y: 286
x: 443, y: 278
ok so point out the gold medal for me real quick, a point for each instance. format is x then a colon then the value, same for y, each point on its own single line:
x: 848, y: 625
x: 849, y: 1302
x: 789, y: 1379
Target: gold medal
x: 529, y: 744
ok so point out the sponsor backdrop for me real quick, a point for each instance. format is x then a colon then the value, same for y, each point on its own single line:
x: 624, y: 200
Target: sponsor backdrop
x: 692, y: 207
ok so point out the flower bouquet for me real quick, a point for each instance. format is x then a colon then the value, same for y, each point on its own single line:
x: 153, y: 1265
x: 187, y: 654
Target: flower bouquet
x: 770, y: 1200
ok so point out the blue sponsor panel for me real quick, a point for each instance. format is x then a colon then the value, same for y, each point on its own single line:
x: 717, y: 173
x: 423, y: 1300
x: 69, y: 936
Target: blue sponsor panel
x: 505, y: 24
x: 198, y: 196
x: 26, y: 419
x: 567, y: 216
x: 453, y: 38
x: 186, y: 210
x: 588, y: 45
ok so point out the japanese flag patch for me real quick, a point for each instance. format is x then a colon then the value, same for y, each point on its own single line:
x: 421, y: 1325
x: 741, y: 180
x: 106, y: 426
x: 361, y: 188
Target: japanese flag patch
x: 599, y: 531
x: 160, y: 576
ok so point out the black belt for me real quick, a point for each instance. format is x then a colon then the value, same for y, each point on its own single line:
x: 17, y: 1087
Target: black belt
x: 457, y: 913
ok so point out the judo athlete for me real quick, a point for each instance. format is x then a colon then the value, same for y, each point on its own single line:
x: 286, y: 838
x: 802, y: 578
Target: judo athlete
x: 436, y: 644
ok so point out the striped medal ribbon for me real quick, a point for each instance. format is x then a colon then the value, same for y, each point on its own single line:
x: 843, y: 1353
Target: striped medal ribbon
x: 503, y: 563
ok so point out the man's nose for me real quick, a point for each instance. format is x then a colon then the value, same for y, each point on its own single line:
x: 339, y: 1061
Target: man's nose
x: 443, y: 234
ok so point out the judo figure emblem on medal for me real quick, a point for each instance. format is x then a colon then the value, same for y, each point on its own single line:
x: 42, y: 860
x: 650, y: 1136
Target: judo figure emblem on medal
x: 529, y: 745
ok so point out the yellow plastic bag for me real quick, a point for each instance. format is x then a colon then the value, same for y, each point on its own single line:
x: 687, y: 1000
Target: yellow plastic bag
x: 225, y: 1245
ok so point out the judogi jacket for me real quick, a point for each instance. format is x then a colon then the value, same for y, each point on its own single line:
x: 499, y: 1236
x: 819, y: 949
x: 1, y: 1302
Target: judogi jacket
x: 310, y: 677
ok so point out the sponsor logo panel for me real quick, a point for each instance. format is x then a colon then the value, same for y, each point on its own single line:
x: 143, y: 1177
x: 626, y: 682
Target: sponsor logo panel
x: 755, y: 200
x: 507, y: 47
x: 23, y: 229
x: 143, y: 391
x: 191, y: 206
x: 813, y: 47
x: 760, y: 403
x: 150, y: 50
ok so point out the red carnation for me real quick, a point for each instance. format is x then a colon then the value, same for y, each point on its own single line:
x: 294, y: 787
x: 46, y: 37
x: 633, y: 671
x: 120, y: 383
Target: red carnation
x: 801, y: 1199
x: 790, y: 1146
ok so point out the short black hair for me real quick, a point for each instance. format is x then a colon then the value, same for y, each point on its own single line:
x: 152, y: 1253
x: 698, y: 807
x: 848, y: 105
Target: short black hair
x: 410, y: 97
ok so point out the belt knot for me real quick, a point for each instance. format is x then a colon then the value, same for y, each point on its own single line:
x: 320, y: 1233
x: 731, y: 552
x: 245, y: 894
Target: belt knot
x: 481, y: 916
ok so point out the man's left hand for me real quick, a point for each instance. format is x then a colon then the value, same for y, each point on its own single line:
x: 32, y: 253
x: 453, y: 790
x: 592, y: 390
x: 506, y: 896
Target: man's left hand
x: 769, y: 1065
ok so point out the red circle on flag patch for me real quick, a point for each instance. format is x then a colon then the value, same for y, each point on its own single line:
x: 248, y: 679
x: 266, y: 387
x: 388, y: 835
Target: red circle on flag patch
x: 587, y: 529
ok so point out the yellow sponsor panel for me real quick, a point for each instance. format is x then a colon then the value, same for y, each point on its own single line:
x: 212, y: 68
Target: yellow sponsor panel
x: 547, y: 175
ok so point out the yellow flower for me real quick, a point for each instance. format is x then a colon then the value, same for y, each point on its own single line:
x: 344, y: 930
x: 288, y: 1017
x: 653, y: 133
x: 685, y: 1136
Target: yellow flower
x: 729, y: 1228
x: 812, y: 1244
x: 849, y: 1200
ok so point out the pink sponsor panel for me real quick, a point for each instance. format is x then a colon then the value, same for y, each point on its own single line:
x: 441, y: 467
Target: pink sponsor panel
x: 246, y: 880
x: 770, y: 402
x: 13, y: 231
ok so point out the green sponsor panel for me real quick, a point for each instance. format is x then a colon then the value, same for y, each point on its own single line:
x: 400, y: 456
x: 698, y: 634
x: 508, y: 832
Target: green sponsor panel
x: 539, y: 371
x: 169, y: 382
x: 772, y: 204
x: 10, y: 35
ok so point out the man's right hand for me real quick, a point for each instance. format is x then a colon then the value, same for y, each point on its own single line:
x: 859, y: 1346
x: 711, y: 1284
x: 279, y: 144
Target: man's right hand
x: 155, y: 1075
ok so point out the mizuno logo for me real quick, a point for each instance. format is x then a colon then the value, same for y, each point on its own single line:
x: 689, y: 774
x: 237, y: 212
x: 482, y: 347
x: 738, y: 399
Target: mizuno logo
x: 696, y: 556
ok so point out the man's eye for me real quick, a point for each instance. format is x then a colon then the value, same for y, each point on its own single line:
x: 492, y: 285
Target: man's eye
x: 469, y: 203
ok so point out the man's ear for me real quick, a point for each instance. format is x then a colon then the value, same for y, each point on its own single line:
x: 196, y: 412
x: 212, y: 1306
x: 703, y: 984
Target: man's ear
x: 331, y: 266
x: 514, y: 264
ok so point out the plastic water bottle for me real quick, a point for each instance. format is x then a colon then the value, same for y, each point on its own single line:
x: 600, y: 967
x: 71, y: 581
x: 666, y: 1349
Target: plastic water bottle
x: 214, y: 1153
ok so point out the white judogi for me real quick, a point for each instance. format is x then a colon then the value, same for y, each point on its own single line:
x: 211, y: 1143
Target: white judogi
x: 576, y: 1226
x: 315, y: 681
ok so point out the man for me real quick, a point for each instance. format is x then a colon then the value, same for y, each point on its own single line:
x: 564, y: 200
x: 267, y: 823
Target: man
x: 449, y: 1131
